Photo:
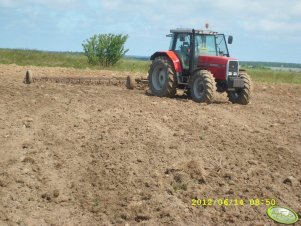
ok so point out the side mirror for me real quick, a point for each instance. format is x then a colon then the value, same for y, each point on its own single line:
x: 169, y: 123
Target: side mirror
x: 230, y: 39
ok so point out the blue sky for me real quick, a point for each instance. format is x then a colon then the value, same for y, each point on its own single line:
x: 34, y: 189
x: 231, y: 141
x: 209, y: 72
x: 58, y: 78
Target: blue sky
x: 268, y: 30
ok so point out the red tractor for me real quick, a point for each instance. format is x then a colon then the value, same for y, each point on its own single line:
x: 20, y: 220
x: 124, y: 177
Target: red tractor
x: 199, y: 63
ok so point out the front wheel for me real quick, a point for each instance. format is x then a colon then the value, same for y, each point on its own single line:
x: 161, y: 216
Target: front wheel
x: 202, y: 87
x: 241, y: 95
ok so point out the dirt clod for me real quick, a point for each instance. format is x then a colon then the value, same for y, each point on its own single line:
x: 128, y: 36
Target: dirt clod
x: 141, y: 218
x: 56, y: 193
x: 28, y: 160
x: 46, y: 196
x: 289, y: 180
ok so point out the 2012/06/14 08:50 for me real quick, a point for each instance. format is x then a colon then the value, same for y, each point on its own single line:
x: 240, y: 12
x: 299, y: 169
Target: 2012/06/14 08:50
x: 233, y: 202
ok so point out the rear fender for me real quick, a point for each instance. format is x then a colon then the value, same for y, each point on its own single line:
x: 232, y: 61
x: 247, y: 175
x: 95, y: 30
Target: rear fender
x: 172, y: 56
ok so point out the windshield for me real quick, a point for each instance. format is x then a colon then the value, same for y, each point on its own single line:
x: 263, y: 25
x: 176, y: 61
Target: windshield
x: 205, y: 45
x: 212, y: 45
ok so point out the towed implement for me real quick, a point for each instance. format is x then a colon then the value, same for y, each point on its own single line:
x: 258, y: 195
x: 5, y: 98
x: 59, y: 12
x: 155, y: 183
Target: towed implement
x: 130, y: 81
x: 99, y: 80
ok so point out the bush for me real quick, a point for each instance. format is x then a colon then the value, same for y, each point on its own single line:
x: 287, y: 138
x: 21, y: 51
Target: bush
x: 105, y: 49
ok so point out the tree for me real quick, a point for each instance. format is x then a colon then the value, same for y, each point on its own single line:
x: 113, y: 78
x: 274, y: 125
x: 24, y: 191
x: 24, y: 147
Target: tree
x: 105, y: 49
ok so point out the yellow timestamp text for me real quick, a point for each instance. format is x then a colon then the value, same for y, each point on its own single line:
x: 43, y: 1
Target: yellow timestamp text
x: 232, y: 202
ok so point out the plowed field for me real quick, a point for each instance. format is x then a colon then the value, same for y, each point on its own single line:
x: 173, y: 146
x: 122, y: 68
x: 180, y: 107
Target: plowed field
x: 103, y: 155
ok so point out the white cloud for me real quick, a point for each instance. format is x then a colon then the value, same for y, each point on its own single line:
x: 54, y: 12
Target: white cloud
x: 52, y: 4
x: 161, y: 15
x: 72, y: 22
x: 273, y: 28
x: 9, y: 3
x: 219, y: 12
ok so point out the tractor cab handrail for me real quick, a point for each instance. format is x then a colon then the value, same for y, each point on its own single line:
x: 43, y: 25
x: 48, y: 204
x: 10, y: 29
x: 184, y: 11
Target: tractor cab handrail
x: 185, y: 30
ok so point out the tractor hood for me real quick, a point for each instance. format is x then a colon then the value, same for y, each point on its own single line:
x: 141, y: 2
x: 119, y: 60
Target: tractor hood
x: 217, y: 65
x: 215, y: 60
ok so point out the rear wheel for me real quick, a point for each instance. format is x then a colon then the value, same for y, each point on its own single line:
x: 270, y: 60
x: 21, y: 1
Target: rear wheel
x: 202, y: 87
x: 162, y: 79
x: 241, y: 95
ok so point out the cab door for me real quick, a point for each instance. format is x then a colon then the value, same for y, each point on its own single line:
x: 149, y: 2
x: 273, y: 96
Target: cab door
x: 182, y: 47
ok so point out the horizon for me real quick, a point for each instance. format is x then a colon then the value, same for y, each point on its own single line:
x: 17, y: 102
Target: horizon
x: 143, y: 58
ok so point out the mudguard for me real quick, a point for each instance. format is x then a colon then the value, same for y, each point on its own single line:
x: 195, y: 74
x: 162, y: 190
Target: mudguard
x: 172, y: 56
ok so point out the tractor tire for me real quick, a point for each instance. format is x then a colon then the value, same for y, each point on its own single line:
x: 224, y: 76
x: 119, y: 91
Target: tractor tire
x: 242, y: 95
x: 28, y: 77
x: 162, y: 78
x: 130, y: 82
x: 202, y: 87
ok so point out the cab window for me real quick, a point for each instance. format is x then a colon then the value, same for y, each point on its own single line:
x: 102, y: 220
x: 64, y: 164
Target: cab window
x: 205, y: 45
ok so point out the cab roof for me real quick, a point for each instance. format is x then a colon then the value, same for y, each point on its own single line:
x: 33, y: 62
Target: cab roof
x: 189, y: 31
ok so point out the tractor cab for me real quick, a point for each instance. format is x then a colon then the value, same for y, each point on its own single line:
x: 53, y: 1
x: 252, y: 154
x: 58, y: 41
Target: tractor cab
x: 189, y: 45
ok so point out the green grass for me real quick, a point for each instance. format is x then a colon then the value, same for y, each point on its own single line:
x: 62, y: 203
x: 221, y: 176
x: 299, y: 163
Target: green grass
x: 41, y: 58
x: 132, y: 65
x: 64, y: 59
x: 78, y: 60
x: 270, y: 76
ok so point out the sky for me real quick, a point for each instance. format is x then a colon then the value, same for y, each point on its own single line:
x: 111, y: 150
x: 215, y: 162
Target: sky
x: 263, y: 30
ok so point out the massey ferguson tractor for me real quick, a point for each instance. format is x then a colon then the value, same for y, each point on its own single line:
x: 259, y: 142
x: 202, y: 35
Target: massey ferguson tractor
x: 198, y: 61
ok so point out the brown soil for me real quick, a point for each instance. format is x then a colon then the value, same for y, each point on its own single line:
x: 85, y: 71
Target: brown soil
x: 100, y: 155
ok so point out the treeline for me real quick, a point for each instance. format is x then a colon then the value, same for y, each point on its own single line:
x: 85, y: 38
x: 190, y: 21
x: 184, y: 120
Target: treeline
x: 256, y: 64
x: 143, y: 58
x: 252, y: 64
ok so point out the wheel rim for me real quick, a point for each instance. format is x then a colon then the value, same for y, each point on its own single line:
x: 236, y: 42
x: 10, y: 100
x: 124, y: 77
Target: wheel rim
x: 198, y: 88
x: 158, y: 78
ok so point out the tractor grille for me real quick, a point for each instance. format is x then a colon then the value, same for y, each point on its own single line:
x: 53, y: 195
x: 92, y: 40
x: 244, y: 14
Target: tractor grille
x: 233, y: 69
